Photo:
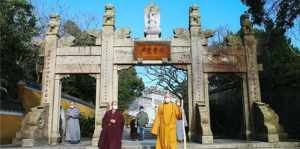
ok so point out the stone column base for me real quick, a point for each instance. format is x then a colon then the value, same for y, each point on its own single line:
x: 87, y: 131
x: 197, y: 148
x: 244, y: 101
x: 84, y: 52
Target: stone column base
x: 266, y: 122
x: 207, y: 140
x: 273, y: 138
x: 247, y: 135
x: 55, y: 140
x: 95, y: 141
x: 28, y: 142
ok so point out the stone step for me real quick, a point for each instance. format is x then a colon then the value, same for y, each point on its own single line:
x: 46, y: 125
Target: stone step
x: 147, y: 134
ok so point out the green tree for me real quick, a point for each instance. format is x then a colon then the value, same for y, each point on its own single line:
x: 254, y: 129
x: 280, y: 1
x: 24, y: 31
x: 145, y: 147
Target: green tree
x: 18, y: 55
x: 280, y: 79
x: 82, y: 38
x: 80, y: 86
x: 284, y: 13
x: 130, y: 87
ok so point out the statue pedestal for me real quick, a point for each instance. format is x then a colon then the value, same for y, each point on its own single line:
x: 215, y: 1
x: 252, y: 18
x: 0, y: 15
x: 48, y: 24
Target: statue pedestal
x: 152, y: 33
x: 34, y: 127
x: 152, y: 36
x: 207, y: 140
x: 273, y: 138
x: 28, y: 142
x: 55, y: 140
x: 95, y: 141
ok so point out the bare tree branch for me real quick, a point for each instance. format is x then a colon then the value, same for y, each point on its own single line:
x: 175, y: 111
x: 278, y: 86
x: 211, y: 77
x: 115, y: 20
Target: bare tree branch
x: 170, y: 78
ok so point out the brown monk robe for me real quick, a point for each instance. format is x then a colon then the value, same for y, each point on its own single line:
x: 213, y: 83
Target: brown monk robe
x: 112, y: 129
x: 164, y: 126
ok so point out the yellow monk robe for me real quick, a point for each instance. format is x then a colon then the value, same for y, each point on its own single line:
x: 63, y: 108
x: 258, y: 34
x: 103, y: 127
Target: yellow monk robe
x: 164, y: 126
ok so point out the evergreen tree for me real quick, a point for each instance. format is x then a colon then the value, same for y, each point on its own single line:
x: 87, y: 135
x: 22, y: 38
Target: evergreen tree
x: 18, y: 56
x: 130, y: 87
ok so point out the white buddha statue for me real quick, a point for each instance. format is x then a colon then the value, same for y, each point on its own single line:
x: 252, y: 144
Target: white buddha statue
x: 152, y: 20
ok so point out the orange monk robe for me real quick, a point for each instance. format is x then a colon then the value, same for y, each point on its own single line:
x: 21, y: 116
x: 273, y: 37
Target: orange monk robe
x: 164, y: 126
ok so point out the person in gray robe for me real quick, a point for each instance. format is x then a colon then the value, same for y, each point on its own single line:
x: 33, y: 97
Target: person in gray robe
x: 73, y: 128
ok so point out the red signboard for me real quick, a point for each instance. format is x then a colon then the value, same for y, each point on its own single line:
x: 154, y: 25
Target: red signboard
x: 150, y: 50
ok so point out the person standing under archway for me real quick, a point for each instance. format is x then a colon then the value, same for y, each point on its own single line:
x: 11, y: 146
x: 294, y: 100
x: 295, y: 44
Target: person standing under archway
x: 112, y: 129
x: 73, y: 128
x: 142, y: 121
x: 164, y: 126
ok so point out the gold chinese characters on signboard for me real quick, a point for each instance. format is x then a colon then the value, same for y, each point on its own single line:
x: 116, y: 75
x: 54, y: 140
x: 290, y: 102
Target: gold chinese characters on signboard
x: 152, y: 50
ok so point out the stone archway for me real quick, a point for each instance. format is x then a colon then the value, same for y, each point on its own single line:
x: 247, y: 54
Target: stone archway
x: 115, y: 48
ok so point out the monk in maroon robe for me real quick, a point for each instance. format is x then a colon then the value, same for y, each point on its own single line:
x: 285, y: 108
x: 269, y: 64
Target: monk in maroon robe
x: 112, y: 129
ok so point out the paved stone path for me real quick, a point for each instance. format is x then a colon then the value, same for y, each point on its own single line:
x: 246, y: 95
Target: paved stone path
x: 148, y: 135
x: 150, y: 144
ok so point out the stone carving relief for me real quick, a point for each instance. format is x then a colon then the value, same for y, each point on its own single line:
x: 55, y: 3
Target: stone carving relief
x: 204, y: 119
x: 181, y: 33
x: 123, y: 33
x: 66, y: 40
x: 194, y: 18
x: 109, y: 16
x: 233, y: 41
x: 53, y: 26
x: 94, y: 33
x: 152, y: 19
x: 246, y: 25
x: 32, y: 126
x: 221, y: 59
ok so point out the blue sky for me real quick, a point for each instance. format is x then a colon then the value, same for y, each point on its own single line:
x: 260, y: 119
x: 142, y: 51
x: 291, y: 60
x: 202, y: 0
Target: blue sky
x: 130, y: 13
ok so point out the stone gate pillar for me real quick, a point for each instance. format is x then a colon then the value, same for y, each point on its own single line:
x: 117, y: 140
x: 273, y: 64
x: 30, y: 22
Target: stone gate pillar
x: 51, y: 43
x: 48, y: 80
x: 190, y: 100
x: 247, y: 129
x: 105, y: 80
x: 98, y: 113
x: 115, y: 82
x: 200, y: 105
x: 107, y: 54
x: 55, y: 136
x: 264, y: 121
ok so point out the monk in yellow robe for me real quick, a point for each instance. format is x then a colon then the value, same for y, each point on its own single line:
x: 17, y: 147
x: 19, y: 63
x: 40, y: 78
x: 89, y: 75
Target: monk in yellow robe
x: 164, y: 126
